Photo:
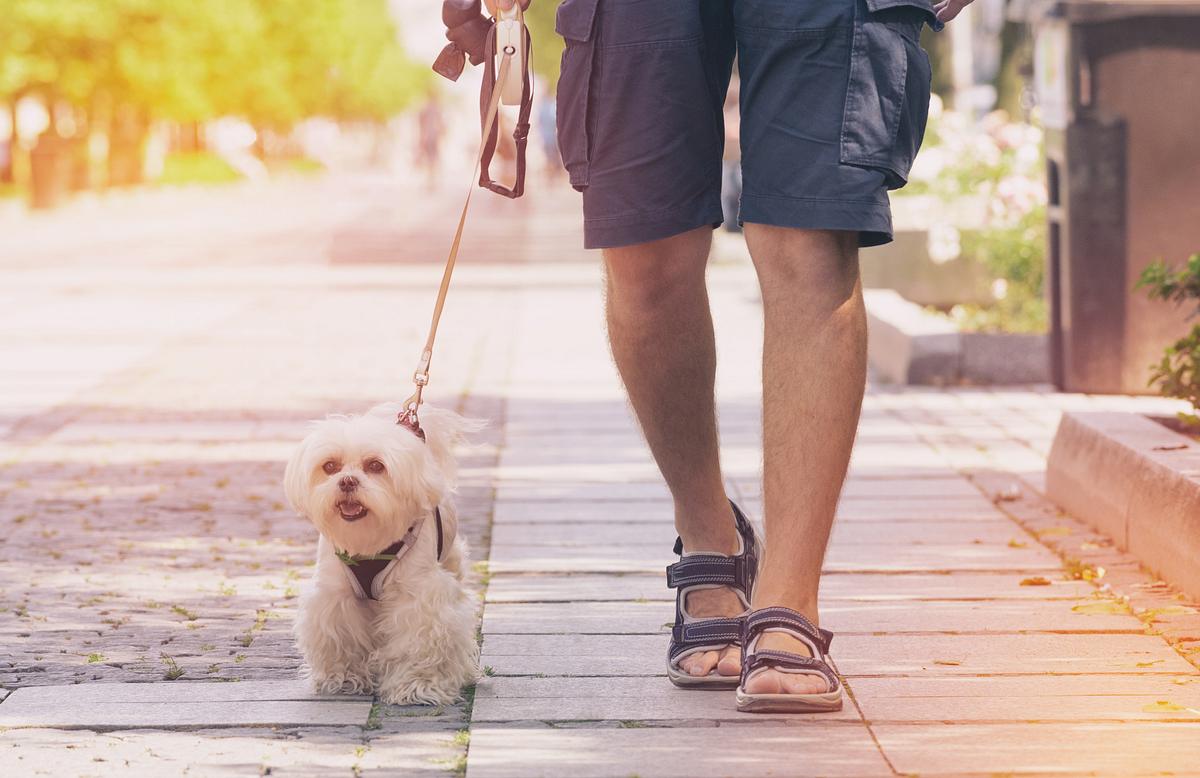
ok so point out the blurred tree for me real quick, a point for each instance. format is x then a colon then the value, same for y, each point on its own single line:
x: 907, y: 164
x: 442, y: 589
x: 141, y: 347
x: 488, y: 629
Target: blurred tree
x: 122, y: 64
x: 547, y: 44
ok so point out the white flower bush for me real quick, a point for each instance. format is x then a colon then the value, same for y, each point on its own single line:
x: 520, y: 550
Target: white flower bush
x: 1001, y: 163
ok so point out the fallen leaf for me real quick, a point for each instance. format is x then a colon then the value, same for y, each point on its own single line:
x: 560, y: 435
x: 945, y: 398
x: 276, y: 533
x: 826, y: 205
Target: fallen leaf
x: 1090, y: 573
x: 1183, y: 681
x: 1170, y: 610
x: 1166, y: 706
x: 1101, y: 607
x: 1174, y: 447
x: 1014, y: 543
x: 948, y: 662
x: 1051, y: 532
x: 1089, y: 546
x: 1150, y: 664
x: 1036, y: 580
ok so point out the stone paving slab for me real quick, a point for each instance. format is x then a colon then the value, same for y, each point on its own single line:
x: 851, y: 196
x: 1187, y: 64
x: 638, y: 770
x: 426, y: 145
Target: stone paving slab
x: 524, y: 511
x: 841, y: 558
x: 585, y: 587
x: 1110, y: 749
x: 843, y: 617
x: 564, y: 699
x: 999, y: 654
x: 1030, y: 698
x: 172, y: 691
x: 425, y: 749
x: 999, y: 530
x: 174, y: 714
x: 557, y: 488
x: 812, y: 749
x: 937, y: 654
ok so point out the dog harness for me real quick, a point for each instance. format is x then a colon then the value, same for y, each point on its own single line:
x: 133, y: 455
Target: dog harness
x: 369, y: 573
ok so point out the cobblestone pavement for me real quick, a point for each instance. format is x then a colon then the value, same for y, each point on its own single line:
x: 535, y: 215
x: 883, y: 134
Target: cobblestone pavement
x: 162, y: 354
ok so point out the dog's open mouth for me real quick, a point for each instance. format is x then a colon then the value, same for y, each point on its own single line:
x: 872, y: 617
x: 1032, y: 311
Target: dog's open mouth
x: 352, y: 510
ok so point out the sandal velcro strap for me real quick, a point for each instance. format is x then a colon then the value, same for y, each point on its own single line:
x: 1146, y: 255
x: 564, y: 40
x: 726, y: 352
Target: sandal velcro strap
x: 778, y: 617
x: 698, y: 569
x: 785, y: 660
x: 705, y: 632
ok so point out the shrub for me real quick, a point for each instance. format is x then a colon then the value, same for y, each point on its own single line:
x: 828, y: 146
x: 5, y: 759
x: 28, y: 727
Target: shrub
x: 1178, y: 373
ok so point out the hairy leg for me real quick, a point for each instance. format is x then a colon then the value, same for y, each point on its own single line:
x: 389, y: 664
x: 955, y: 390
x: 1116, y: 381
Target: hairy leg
x: 814, y: 376
x: 661, y: 333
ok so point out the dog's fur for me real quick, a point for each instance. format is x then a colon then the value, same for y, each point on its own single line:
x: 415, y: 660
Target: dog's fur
x: 416, y: 644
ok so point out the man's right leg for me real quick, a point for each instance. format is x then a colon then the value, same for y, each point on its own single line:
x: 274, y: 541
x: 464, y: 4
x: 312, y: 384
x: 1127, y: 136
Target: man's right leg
x: 661, y: 332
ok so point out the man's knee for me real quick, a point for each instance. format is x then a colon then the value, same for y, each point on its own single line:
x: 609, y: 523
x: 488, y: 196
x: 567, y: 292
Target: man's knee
x: 811, y: 263
x: 648, y: 275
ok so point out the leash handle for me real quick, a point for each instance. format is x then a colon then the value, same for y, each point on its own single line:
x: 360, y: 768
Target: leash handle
x: 408, y: 416
x: 510, y: 35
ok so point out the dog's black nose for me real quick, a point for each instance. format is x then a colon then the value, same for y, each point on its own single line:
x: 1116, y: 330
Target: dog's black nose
x: 348, y: 483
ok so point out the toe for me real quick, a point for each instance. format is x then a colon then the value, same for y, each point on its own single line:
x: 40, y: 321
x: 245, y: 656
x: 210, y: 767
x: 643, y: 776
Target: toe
x: 730, y: 662
x: 763, y: 682
x: 794, y: 683
x: 699, y: 664
x: 770, y: 681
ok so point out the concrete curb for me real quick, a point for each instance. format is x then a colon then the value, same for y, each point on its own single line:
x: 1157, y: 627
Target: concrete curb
x: 1137, y: 482
x: 908, y: 344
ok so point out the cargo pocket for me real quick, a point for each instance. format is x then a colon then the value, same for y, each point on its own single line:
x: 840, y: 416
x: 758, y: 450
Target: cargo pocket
x: 575, y: 21
x: 887, y: 96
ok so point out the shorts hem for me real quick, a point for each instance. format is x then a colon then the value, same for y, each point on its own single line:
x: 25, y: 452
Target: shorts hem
x: 610, y: 233
x: 871, y: 220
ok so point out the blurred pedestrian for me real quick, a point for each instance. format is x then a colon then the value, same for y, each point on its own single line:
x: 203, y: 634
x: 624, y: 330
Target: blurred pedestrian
x: 430, y: 127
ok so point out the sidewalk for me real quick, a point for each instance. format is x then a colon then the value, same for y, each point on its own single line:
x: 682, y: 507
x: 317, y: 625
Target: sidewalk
x: 147, y: 540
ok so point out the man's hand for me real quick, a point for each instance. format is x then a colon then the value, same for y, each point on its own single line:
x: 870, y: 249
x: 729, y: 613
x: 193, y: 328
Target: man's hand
x: 505, y: 5
x: 945, y: 9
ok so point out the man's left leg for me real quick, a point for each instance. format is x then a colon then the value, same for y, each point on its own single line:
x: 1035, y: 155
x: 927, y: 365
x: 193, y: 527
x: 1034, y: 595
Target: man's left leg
x: 814, y: 375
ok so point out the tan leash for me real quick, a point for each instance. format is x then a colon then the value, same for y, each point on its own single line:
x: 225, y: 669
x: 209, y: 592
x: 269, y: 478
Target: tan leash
x: 408, y: 414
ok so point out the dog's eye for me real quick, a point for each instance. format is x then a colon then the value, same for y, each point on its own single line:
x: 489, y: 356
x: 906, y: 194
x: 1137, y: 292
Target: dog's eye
x: 375, y: 466
x: 330, y: 467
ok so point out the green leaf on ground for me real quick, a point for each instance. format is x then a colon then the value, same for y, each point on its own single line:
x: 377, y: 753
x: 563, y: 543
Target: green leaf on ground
x: 1100, y: 607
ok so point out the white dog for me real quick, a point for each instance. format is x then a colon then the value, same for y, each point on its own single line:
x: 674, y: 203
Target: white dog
x: 385, y: 614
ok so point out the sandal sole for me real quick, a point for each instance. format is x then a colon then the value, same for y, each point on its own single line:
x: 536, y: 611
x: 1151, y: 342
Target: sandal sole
x: 709, y: 682
x: 789, y: 703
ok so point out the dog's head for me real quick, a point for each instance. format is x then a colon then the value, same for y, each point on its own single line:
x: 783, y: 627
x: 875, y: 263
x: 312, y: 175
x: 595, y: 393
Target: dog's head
x: 363, y: 480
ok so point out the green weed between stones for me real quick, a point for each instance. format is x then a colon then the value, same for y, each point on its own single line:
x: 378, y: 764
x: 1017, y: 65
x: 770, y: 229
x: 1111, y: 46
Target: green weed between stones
x: 174, y: 671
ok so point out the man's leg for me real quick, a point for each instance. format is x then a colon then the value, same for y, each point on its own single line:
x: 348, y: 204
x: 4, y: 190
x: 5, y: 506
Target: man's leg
x: 661, y: 332
x: 814, y: 375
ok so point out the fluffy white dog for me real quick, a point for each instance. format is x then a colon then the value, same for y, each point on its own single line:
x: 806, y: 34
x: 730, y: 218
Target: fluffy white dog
x: 386, y: 612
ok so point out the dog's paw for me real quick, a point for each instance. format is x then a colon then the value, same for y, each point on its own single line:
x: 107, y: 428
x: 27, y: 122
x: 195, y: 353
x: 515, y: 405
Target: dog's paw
x: 420, y: 693
x: 342, y: 683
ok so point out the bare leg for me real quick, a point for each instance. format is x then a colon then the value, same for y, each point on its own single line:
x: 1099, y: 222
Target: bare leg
x: 814, y: 375
x: 661, y: 333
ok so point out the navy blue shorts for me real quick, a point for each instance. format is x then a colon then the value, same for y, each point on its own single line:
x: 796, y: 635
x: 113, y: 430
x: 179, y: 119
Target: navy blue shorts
x: 834, y: 97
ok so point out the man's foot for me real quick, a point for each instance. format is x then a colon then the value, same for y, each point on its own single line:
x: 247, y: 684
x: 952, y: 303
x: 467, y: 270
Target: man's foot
x: 771, y: 681
x: 707, y: 604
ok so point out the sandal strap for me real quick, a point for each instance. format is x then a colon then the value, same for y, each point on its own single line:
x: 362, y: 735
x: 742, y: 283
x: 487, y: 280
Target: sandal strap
x: 704, y: 632
x: 785, y: 660
x: 697, y: 569
x: 738, y: 571
x: 779, y: 617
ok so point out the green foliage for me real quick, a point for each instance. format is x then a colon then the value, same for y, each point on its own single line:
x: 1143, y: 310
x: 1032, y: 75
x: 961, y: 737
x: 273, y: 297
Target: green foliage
x: 1178, y: 373
x: 273, y: 62
x: 197, y: 168
x: 547, y: 44
x: 999, y: 163
x: 1015, y: 254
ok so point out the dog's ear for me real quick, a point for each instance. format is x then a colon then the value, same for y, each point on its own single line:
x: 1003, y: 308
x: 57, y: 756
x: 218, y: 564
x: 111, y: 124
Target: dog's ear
x: 295, y: 477
x: 443, y: 431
